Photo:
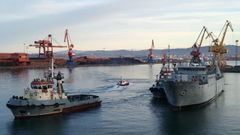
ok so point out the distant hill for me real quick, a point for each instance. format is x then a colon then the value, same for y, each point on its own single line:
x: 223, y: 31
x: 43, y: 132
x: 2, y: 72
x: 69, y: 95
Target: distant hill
x: 143, y: 53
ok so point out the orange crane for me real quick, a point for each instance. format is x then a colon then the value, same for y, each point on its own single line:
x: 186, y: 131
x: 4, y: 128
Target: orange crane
x: 218, y: 48
x: 164, y: 57
x: 46, y: 47
x: 69, y: 45
x: 197, y: 45
x: 150, y: 53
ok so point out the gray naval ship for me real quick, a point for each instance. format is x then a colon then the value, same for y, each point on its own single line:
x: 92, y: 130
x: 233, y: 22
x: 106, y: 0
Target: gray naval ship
x: 197, y: 82
x: 43, y: 99
x: 194, y: 85
x: 188, y: 85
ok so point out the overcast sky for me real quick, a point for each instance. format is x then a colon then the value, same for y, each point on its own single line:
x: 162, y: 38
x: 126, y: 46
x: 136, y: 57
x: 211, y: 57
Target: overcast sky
x: 114, y: 24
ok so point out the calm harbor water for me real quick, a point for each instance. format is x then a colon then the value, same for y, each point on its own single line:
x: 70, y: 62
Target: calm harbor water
x: 124, y: 110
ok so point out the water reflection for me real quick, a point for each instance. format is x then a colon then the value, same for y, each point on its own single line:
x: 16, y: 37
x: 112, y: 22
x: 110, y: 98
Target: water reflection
x: 52, y: 125
x: 179, y: 122
x: 61, y: 124
x: 191, y: 121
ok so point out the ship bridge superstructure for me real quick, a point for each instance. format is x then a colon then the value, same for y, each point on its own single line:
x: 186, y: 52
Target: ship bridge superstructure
x: 43, y: 89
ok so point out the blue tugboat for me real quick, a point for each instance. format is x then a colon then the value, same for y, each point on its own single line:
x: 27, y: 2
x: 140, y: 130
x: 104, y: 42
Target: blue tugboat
x: 157, y: 89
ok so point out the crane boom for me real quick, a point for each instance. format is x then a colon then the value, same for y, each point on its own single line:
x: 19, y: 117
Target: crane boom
x: 227, y: 24
x: 66, y: 37
x: 69, y: 45
x: 202, y: 33
x: 210, y: 34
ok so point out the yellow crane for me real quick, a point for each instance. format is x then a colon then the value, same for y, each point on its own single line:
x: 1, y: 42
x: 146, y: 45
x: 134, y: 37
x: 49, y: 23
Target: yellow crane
x: 217, y: 48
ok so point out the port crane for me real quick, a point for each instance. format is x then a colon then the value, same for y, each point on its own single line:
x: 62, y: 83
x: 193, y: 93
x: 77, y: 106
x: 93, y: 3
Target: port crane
x: 45, y: 47
x: 69, y: 45
x: 164, y: 57
x: 217, y: 48
x: 150, y: 53
x: 197, y: 45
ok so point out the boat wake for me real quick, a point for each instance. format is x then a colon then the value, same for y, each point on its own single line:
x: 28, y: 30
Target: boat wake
x: 110, y: 88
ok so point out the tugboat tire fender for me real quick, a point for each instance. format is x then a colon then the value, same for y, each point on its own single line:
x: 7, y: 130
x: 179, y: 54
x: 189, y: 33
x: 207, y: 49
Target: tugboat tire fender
x: 42, y: 106
x: 182, y: 93
x: 56, y: 105
x: 33, y: 106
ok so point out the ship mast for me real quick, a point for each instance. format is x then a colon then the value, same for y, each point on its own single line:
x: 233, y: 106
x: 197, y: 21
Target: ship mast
x: 236, y: 56
x: 169, y: 56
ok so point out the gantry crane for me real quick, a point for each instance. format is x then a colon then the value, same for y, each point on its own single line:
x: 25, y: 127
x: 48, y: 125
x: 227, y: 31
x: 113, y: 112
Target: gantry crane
x: 150, y: 53
x: 218, y: 48
x: 69, y: 45
x: 46, y: 47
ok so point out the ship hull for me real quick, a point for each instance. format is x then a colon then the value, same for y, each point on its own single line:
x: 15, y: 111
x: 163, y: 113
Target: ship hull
x: 186, y: 94
x: 35, y: 109
x: 158, y: 91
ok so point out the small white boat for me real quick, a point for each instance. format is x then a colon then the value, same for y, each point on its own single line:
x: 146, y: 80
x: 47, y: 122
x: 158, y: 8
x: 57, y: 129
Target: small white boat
x: 123, y: 83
